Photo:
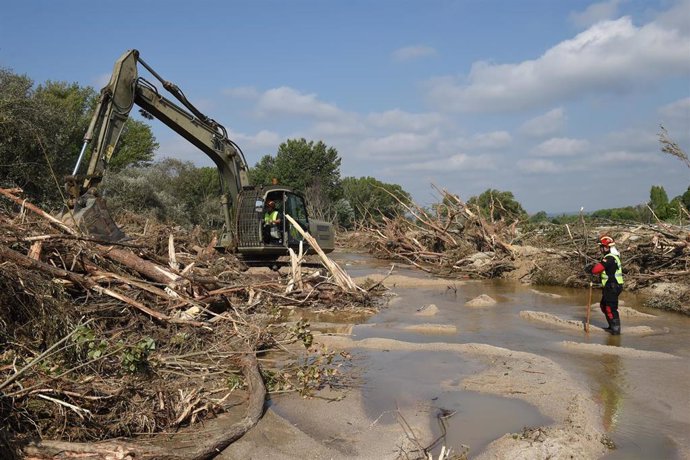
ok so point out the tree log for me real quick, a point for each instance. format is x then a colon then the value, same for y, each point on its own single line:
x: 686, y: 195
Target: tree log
x: 86, y: 282
x: 145, y: 268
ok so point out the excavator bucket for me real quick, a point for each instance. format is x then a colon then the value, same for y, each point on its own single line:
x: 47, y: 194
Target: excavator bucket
x: 91, y: 216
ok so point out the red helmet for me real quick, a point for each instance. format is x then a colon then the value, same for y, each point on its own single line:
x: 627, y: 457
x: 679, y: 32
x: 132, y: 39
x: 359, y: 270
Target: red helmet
x: 606, y: 241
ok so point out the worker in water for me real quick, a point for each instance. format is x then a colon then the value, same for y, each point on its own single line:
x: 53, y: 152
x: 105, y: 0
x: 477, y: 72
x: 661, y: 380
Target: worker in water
x: 611, y: 272
x: 271, y: 223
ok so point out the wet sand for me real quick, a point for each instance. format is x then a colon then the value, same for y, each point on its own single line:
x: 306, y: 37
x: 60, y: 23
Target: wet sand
x: 578, y: 418
x: 319, y: 428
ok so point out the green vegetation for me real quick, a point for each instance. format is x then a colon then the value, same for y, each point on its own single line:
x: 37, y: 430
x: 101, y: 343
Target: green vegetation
x: 308, y: 166
x: 170, y: 190
x: 372, y: 200
x: 314, y: 168
x: 496, y: 205
x: 41, y: 134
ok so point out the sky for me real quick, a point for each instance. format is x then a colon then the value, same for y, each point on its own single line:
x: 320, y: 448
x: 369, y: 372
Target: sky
x: 558, y: 101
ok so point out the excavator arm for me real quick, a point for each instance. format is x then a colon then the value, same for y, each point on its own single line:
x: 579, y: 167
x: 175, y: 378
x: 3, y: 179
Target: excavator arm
x: 124, y: 90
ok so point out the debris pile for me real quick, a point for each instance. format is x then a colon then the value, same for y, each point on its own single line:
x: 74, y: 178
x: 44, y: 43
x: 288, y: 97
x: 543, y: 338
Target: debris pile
x: 99, y: 341
x: 456, y: 240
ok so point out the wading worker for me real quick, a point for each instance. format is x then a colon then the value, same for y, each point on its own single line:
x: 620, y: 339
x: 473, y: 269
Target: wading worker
x: 611, y: 272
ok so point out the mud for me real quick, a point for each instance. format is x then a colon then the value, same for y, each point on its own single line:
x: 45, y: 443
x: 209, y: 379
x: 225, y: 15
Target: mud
x: 405, y: 281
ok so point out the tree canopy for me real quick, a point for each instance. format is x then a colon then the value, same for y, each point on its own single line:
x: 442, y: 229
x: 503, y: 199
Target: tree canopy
x: 372, y: 199
x: 302, y: 164
x: 658, y: 201
x: 497, y: 205
x: 41, y: 134
x: 310, y: 167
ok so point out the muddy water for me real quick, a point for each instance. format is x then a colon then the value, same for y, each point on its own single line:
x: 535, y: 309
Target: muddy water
x: 645, y: 402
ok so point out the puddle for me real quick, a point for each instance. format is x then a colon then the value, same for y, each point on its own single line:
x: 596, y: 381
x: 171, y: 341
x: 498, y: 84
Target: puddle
x: 645, y: 402
x: 404, y: 379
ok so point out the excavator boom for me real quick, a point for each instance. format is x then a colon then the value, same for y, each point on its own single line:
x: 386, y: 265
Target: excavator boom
x: 241, y: 203
x: 124, y: 90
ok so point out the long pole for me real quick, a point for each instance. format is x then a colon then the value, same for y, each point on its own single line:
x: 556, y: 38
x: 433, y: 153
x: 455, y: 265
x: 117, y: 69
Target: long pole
x: 589, y: 304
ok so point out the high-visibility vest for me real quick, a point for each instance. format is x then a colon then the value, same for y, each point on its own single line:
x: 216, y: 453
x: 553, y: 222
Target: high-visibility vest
x: 270, y: 217
x: 619, y: 271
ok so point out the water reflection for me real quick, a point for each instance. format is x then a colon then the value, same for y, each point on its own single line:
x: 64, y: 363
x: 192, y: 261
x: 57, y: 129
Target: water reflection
x: 610, y: 382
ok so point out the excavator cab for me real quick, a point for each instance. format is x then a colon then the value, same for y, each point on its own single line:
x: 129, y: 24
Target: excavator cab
x: 258, y: 240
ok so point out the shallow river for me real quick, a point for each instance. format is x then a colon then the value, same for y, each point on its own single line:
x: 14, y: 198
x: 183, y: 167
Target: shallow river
x: 645, y: 402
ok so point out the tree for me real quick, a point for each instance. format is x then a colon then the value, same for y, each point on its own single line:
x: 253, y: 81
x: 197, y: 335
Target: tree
x: 674, y: 210
x: 264, y: 171
x: 19, y: 122
x: 497, y: 205
x: 372, y: 199
x: 309, y: 167
x: 303, y: 164
x: 300, y: 164
x: 628, y: 213
x: 541, y: 216
x: 685, y: 198
x: 172, y: 190
x: 658, y: 201
x: 41, y: 134
x: 136, y: 147
x: 40, y: 131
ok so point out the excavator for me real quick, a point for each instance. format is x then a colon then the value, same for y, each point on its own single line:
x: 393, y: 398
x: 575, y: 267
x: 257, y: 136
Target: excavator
x: 244, y: 232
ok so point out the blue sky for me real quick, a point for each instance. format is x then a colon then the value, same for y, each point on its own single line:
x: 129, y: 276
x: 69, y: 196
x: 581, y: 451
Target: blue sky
x: 559, y: 102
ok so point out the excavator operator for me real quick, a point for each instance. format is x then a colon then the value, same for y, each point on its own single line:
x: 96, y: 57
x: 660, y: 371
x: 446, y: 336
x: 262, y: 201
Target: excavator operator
x: 271, y: 230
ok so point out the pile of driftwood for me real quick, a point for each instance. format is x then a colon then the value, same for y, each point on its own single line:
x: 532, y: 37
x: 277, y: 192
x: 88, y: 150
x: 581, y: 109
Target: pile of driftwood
x: 101, y: 341
x: 446, y: 240
x: 456, y: 240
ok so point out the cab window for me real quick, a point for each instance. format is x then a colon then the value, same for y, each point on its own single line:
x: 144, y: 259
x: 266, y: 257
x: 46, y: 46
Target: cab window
x: 295, y: 207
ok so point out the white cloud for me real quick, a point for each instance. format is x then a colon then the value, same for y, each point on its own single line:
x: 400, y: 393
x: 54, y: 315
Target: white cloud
x: 173, y: 146
x: 594, y: 13
x: 261, y: 140
x: 545, y: 125
x: 622, y: 157
x: 346, y: 126
x: 401, y: 120
x: 534, y: 166
x: 242, y: 92
x: 409, y: 53
x: 485, y: 141
x: 289, y: 101
x: 454, y: 163
x: 676, y: 17
x: 609, y: 56
x: 398, y: 144
x: 678, y: 110
x: 561, y: 147
x: 633, y: 139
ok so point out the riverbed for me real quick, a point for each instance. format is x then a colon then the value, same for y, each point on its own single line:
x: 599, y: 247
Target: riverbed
x: 431, y: 361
